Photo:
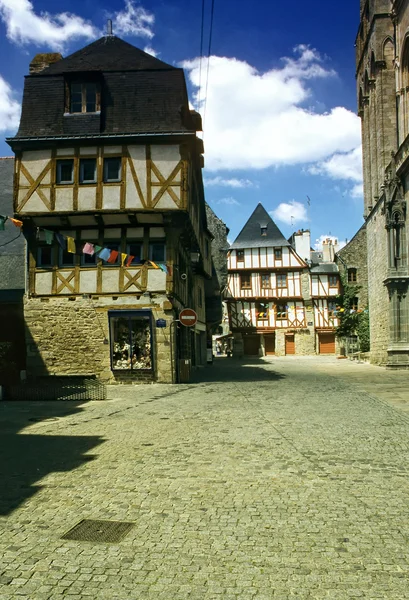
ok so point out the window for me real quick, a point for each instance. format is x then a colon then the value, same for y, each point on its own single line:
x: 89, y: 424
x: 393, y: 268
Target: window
x: 131, y: 340
x: 88, y: 170
x: 65, y: 259
x: 278, y: 253
x: 281, y: 279
x: 352, y: 275
x: 240, y: 255
x: 263, y: 230
x: 65, y: 171
x: 45, y: 256
x: 333, y: 281
x: 245, y: 281
x: 265, y: 281
x: 157, y: 251
x: 135, y: 249
x: 281, y: 312
x: 112, y: 169
x: 354, y: 303
x: 262, y: 311
x: 84, y: 98
x: 89, y: 261
x: 332, y: 308
x: 199, y: 297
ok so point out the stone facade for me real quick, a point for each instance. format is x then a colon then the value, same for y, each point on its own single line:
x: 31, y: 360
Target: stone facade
x: 382, y: 52
x: 354, y: 258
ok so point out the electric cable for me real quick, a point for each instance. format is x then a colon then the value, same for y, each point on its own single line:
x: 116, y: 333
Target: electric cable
x: 208, y: 64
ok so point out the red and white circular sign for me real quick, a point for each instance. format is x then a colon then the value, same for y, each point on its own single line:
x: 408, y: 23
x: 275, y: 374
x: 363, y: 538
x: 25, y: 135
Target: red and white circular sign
x: 188, y: 317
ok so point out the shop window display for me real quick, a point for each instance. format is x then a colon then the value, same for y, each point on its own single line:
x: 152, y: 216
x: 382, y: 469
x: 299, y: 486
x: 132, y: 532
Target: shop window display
x: 131, y: 342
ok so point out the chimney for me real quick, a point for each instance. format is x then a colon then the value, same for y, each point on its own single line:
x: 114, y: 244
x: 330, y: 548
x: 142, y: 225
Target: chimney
x: 302, y: 243
x: 42, y: 61
x: 329, y: 248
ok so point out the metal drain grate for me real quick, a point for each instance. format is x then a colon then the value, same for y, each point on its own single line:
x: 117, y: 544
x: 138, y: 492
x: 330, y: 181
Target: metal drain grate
x: 89, y: 530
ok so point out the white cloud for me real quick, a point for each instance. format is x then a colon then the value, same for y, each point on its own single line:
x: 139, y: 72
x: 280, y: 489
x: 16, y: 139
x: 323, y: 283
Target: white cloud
x: 257, y: 120
x: 9, y: 107
x: 346, y: 166
x: 134, y: 20
x: 233, y: 182
x: 335, y: 241
x: 228, y: 200
x: 24, y: 26
x: 290, y: 212
x: 150, y: 50
x: 357, y: 191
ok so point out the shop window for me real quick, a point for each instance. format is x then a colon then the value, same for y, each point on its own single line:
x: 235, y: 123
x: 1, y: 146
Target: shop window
x: 333, y: 281
x: 265, y: 281
x: 240, y: 255
x: 157, y: 251
x: 352, y: 275
x: 112, y: 169
x: 131, y: 341
x: 281, y: 279
x: 135, y: 249
x: 245, y: 281
x: 262, y: 311
x: 88, y: 170
x: 65, y: 171
x: 278, y: 253
x: 281, y: 312
x: 65, y: 259
x: 84, y: 97
x: 45, y: 256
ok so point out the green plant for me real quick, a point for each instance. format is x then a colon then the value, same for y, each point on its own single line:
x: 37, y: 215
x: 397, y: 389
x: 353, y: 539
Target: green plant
x: 351, y: 321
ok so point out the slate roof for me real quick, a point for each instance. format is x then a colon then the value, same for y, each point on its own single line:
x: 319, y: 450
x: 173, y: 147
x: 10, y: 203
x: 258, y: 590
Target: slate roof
x: 139, y: 95
x: 12, y: 254
x: 250, y: 236
x: 327, y: 267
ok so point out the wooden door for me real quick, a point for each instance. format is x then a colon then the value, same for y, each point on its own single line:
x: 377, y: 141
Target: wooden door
x: 326, y: 342
x: 251, y: 344
x: 289, y: 343
x: 270, y: 344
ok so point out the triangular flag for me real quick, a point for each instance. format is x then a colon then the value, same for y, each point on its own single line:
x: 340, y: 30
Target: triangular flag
x: 49, y: 236
x: 97, y: 248
x: 129, y: 261
x: 2, y: 221
x: 154, y: 264
x: 88, y: 249
x: 71, y: 245
x: 16, y: 222
x: 162, y: 267
x: 114, y: 256
x: 123, y: 259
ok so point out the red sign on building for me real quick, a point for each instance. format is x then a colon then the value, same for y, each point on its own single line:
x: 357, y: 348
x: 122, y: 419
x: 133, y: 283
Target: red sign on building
x: 188, y: 317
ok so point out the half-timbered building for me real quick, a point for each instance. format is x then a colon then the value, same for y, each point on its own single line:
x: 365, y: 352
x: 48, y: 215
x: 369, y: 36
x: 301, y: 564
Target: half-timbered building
x: 268, y: 285
x: 108, y: 185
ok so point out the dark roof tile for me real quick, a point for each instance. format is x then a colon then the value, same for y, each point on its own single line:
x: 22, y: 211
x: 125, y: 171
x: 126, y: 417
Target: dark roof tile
x: 250, y: 236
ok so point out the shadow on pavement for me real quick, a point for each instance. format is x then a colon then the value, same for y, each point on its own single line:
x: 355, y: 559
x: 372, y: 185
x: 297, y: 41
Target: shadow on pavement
x: 27, y: 458
x: 232, y: 370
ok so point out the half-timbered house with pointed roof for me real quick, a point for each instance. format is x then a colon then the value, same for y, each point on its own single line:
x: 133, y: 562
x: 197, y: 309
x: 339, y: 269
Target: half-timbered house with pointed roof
x: 107, y: 157
x: 268, y: 293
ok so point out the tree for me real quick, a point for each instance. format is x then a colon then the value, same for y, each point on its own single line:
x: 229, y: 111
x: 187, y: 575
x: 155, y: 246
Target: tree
x: 352, y: 321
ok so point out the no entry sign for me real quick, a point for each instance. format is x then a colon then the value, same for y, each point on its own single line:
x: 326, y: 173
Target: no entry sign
x: 188, y: 317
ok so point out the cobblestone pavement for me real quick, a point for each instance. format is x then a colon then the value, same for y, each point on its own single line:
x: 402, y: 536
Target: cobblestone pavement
x: 284, y: 478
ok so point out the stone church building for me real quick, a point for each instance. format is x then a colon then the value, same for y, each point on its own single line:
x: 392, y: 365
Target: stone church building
x: 382, y: 72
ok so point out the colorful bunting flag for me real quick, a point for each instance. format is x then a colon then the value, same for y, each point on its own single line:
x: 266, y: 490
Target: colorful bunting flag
x: 123, y: 259
x: 71, y: 245
x: 88, y: 249
x: 153, y: 264
x: 61, y: 240
x: 113, y: 257
x: 129, y: 261
x: 105, y: 254
x: 162, y: 267
x: 16, y: 222
x: 97, y: 248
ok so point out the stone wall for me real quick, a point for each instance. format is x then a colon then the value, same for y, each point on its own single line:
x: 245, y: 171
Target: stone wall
x: 377, y: 292
x: 219, y: 244
x: 67, y: 336
x: 355, y: 255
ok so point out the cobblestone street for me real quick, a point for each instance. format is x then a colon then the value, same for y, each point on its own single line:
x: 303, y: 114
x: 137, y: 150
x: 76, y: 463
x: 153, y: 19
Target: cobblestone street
x: 277, y: 478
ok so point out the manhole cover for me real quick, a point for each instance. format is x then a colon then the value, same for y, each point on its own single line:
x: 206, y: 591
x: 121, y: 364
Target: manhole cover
x: 89, y: 530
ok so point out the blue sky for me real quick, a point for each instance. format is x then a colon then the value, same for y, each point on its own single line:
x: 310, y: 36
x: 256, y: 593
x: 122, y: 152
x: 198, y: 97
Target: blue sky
x: 280, y: 113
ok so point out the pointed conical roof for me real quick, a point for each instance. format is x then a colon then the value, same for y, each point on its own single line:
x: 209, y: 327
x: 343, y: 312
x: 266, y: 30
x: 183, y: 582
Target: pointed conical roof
x: 109, y: 53
x: 250, y: 236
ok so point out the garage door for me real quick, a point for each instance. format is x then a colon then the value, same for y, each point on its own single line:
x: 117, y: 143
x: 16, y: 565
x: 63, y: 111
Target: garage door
x: 251, y: 344
x: 289, y: 343
x: 326, y: 343
x: 270, y: 344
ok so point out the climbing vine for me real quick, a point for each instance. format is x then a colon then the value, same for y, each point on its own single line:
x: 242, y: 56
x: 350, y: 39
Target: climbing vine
x: 352, y: 321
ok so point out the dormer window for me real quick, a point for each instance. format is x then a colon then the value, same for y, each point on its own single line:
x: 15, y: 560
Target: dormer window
x: 263, y: 229
x: 84, y: 97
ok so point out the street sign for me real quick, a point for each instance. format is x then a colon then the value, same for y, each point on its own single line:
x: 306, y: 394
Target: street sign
x: 160, y: 322
x: 188, y: 317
